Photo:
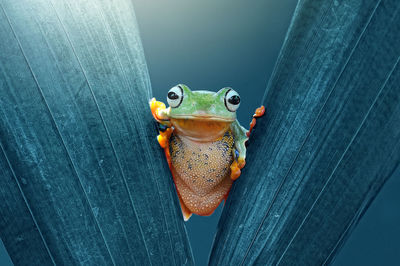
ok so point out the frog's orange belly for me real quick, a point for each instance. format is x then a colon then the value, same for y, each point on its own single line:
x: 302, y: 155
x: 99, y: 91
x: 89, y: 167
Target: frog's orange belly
x: 201, y: 171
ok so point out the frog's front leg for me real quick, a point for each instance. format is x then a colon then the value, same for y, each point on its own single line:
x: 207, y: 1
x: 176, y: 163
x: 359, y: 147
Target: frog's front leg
x: 241, y: 136
x: 239, y: 154
x: 161, y: 114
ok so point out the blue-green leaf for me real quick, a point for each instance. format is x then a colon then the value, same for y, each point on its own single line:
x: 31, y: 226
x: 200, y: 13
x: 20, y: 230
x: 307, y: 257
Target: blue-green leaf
x: 83, y: 179
x: 328, y: 142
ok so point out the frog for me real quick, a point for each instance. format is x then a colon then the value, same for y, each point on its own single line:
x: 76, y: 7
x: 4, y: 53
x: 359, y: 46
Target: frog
x: 204, y: 144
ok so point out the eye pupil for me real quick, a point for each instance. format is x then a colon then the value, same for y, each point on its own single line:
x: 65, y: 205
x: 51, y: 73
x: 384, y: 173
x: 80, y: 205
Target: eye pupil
x: 172, y: 95
x: 175, y: 96
x: 235, y: 99
x: 232, y: 100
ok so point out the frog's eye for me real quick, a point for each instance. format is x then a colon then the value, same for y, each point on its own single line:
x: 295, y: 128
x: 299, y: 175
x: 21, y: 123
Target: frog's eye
x: 175, y: 96
x: 232, y: 100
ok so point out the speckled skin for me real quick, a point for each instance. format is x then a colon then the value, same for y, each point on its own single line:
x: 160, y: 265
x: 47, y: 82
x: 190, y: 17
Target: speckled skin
x: 201, y: 171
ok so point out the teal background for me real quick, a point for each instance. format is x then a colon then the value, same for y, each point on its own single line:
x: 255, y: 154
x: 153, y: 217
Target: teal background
x: 209, y: 45
x: 212, y: 44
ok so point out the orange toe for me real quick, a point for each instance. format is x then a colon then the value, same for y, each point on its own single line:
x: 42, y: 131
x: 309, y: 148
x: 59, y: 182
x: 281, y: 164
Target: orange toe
x: 235, y: 171
x: 260, y: 111
x: 155, y: 107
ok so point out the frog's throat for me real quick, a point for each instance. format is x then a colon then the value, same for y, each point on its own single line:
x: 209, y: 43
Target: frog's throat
x: 201, y: 130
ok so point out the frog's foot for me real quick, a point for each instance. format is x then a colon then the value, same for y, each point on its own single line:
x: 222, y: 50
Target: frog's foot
x: 260, y: 111
x: 235, y: 170
x: 238, y: 163
x: 185, y: 211
x: 163, y: 137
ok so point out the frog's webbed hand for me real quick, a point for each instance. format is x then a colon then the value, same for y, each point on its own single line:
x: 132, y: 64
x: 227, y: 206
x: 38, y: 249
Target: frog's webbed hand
x: 260, y: 111
x: 241, y: 137
x: 160, y: 114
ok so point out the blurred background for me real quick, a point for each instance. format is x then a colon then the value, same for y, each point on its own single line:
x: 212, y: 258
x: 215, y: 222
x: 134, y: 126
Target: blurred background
x: 213, y: 44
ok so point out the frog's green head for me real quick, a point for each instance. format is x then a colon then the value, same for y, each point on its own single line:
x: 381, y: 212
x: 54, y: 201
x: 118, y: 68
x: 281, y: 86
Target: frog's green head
x: 203, y: 105
x: 202, y: 115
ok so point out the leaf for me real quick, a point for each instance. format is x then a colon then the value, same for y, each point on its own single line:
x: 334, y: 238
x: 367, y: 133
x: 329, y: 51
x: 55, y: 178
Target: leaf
x: 328, y: 142
x: 83, y: 180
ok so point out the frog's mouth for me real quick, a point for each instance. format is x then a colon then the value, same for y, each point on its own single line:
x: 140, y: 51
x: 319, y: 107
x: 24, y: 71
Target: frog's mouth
x: 201, y: 128
x: 204, y: 117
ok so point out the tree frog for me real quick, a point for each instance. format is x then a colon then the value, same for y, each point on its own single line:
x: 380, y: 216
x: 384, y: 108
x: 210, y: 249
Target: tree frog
x: 204, y: 144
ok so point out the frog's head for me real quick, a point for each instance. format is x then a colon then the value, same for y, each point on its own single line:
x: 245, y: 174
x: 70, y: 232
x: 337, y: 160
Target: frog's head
x: 202, y: 115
